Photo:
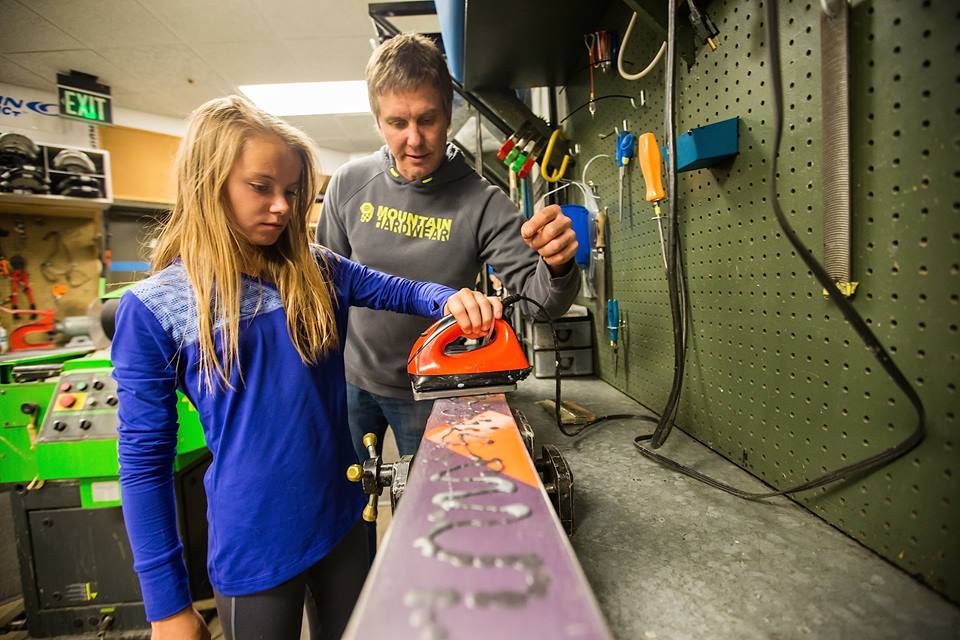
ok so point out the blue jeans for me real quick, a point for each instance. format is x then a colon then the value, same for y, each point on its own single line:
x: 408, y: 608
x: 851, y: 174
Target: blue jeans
x: 371, y: 413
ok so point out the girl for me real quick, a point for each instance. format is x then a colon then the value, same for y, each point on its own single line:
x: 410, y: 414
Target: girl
x: 246, y: 319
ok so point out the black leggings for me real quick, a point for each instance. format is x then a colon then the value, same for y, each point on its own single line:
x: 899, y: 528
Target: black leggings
x: 277, y: 614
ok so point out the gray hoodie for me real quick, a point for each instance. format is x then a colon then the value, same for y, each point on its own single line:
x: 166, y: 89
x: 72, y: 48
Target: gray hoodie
x: 439, y: 229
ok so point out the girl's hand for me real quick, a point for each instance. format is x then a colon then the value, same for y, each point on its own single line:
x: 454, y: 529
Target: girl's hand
x: 473, y: 311
x: 185, y: 625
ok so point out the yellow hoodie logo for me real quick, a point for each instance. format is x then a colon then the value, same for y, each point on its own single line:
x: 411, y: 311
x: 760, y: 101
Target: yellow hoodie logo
x: 366, y: 211
x: 406, y: 223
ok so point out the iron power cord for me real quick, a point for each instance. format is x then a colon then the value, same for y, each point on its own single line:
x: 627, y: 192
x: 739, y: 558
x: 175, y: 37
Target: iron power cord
x: 570, y: 433
x: 849, y: 312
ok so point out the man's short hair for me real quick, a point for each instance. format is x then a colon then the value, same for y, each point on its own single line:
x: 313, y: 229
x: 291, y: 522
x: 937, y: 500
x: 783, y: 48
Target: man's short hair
x: 404, y: 63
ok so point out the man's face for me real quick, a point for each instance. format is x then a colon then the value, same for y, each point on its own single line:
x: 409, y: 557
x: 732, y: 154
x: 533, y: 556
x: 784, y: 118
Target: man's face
x: 414, y: 126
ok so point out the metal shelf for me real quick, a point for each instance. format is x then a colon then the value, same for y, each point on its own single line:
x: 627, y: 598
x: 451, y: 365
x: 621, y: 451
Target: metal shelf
x: 52, y: 205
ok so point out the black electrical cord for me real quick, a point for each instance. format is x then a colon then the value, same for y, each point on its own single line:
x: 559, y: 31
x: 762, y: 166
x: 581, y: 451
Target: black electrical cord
x: 849, y: 312
x: 570, y: 433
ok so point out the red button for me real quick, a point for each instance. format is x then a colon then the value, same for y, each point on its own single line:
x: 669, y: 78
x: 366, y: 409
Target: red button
x: 65, y: 387
x: 67, y: 400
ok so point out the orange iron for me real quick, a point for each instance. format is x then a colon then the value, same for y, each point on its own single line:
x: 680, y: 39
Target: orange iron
x: 444, y: 364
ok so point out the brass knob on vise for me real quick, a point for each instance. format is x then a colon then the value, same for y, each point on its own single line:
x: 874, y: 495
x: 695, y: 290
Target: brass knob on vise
x: 368, y: 474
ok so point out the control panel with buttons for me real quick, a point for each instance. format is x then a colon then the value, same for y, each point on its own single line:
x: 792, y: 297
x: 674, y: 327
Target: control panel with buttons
x: 84, y: 407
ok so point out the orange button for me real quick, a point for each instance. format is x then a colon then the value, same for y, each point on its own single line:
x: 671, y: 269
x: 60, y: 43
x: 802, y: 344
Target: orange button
x: 65, y: 387
x: 67, y: 400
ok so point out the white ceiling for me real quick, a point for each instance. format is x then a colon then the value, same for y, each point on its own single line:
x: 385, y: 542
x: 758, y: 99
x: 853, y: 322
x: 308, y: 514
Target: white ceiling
x: 169, y: 56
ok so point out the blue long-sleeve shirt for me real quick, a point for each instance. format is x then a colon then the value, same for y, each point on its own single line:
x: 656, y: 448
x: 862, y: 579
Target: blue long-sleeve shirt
x: 278, y: 498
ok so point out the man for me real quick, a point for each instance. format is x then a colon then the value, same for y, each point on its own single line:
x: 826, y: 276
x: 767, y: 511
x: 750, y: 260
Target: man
x: 416, y: 209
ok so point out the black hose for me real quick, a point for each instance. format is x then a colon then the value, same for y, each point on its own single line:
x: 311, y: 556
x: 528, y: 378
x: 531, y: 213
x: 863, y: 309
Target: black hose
x: 673, y: 239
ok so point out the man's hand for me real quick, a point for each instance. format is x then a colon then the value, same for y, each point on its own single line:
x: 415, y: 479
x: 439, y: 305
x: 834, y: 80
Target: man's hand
x: 473, y: 311
x: 550, y: 233
x: 185, y: 625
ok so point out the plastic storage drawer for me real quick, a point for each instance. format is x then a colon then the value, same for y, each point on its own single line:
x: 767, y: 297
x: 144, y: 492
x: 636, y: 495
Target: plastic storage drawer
x: 573, y: 333
x: 573, y: 362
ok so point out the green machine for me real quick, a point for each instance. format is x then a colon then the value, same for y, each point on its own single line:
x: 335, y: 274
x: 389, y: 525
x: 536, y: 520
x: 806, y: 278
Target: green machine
x: 58, y: 456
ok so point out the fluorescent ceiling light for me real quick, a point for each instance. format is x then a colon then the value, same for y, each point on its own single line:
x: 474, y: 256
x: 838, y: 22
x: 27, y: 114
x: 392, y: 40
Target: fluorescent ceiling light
x: 309, y: 98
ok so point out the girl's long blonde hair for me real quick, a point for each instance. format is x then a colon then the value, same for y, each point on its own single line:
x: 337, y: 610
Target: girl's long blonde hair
x: 214, y: 252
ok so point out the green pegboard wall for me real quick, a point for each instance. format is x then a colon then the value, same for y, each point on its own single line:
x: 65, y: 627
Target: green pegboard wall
x: 776, y: 380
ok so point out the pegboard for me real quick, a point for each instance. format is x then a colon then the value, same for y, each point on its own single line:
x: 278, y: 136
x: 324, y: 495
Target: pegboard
x: 34, y: 236
x: 776, y: 381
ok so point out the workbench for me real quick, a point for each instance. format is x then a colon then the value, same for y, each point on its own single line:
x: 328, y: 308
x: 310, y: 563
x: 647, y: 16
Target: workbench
x: 668, y: 557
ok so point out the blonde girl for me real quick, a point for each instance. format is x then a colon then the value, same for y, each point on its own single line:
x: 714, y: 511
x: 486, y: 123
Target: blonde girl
x: 246, y: 318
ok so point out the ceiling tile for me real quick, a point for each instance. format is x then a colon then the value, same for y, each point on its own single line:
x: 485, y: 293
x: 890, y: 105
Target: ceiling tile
x: 252, y: 63
x: 104, y: 23
x: 47, y: 64
x: 149, y: 51
x: 166, y: 68
x: 331, y: 58
x: 176, y: 103
x: 151, y: 102
x: 314, y: 18
x: 23, y: 30
x: 12, y: 73
x: 206, y: 22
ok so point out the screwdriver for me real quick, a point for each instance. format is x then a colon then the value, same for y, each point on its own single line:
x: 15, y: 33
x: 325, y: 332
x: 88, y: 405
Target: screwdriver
x: 648, y: 154
x: 626, y: 142
x: 590, y: 40
x: 613, y: 326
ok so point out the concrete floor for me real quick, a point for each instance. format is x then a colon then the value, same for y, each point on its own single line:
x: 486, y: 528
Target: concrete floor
x: 669, y: 557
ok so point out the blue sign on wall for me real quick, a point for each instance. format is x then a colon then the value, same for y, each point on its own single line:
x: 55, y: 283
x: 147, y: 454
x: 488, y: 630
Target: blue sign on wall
x: 13, y: 107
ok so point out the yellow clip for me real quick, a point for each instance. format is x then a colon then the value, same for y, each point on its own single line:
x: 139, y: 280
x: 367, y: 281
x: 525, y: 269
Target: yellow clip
x: 546, y: 159
x: 846, y: 288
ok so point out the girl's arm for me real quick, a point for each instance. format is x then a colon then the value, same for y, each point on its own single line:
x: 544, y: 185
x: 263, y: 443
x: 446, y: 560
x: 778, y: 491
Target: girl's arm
x: 367, y: 287
x: 144, y: 357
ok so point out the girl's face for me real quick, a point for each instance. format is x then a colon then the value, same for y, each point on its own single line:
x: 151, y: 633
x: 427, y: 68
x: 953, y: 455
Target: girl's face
x: 261, y: 189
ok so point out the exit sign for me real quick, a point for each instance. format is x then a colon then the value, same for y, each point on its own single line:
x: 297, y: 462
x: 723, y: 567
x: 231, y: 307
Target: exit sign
x: 83, y: 98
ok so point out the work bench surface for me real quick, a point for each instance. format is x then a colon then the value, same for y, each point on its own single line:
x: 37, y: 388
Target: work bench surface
x: 671, y: 558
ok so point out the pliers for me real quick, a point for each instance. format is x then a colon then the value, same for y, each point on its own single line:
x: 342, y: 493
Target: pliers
x: 19, y: 278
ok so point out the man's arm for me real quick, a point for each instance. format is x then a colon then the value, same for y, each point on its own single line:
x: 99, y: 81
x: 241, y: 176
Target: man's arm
x: 536, y: 259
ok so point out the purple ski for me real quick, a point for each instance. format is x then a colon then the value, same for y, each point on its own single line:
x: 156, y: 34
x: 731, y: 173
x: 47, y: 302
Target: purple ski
x: 475, y: 549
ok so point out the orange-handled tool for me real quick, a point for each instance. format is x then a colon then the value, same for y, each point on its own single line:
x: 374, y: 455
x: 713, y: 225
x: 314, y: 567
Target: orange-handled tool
x: 648, y: 155
x: 601, y: 230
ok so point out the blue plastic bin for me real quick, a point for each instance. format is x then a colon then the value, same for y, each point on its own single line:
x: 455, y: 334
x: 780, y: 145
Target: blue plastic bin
x: 708, y: 145
x: 580, y: 218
